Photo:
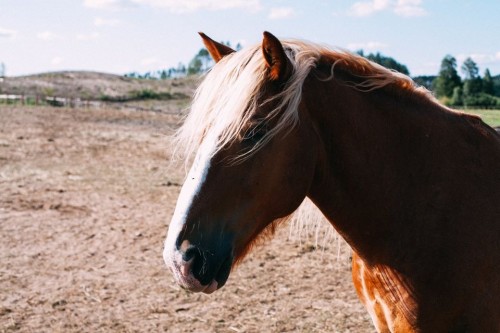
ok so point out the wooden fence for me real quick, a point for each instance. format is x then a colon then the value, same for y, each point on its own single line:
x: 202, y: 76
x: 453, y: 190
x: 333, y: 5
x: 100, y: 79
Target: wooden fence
x: 48, y: 100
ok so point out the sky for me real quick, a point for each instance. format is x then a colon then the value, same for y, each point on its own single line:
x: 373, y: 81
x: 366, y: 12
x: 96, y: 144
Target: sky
x: 122, y: 36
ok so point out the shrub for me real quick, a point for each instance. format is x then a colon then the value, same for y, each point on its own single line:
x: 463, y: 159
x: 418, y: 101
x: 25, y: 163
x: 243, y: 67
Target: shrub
x: 481, y: 100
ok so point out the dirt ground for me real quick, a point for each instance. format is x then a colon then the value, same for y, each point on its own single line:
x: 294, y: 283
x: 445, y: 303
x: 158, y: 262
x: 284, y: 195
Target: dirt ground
x: 85, y: 200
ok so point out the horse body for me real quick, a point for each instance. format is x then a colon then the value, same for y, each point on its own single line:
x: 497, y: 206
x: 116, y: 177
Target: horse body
x: 415, y: 193
x: 413, y: 187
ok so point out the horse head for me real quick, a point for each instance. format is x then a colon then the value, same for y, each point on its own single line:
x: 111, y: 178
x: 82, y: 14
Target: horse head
x: 254, y: 162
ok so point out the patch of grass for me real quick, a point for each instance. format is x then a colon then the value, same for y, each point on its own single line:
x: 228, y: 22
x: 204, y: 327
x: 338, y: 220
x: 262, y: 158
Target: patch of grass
x: 491, y: 117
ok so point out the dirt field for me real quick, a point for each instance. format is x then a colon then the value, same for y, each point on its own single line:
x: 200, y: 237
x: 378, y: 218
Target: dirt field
x: 85, y: 200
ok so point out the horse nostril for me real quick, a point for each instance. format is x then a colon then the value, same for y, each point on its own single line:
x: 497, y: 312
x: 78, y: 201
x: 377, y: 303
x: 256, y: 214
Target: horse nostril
x: 190, y: 253
x: 187, y: 250
x: 191, y: 256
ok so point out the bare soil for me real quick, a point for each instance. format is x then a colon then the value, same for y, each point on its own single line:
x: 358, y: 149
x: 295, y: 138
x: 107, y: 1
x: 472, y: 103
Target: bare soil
x: 86, y: 196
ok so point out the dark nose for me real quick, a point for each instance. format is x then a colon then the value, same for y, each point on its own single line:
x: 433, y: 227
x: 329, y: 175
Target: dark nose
x: 191, y: 253
x: 191, y: 258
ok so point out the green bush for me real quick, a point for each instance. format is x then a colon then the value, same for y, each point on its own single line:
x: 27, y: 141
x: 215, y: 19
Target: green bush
x: 145, y: 94
x: 150, y: 94
x: 481, y: 100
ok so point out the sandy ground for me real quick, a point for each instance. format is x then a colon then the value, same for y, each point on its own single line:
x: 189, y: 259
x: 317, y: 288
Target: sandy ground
x: 85, y: 200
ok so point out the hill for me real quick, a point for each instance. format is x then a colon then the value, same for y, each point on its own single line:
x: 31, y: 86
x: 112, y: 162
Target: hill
x: 98, y: 86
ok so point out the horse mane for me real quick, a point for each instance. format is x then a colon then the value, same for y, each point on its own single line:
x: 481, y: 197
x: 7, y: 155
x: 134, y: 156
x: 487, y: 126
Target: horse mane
x: 368, y: 75
x: 229, y: 94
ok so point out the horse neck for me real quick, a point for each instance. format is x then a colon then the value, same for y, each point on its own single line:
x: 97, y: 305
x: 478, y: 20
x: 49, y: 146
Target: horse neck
x: 368, y: 152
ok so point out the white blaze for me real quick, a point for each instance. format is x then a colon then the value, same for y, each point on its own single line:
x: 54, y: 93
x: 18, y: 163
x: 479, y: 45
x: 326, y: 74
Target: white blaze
x: 191, y: 187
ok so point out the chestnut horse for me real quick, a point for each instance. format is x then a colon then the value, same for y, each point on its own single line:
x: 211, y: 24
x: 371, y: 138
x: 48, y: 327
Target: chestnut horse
x: 411, y: 185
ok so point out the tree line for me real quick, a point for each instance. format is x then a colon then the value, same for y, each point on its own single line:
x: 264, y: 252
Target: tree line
x: 469, y: 90
x: 473, y: 90
x: 200, y: 63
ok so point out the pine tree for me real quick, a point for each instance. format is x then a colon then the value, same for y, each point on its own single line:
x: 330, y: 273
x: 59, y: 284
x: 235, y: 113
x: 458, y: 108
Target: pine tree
x: 163, y: 75
x: 472, y: 82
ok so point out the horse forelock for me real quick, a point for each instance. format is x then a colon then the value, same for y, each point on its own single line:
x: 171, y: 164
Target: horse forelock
x: 230, y: 95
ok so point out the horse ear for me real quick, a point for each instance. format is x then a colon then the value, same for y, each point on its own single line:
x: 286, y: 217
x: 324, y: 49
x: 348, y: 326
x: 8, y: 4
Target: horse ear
x: 276, y: 60
x: 216, y: 50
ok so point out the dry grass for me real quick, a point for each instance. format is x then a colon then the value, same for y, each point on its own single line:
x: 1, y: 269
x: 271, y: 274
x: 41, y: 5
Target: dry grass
x: 94, y: 86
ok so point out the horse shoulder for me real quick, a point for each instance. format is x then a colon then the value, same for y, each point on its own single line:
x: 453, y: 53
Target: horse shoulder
x: 386, y: 299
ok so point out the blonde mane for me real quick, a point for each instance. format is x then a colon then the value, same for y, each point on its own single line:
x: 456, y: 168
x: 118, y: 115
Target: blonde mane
x: 229, y: 95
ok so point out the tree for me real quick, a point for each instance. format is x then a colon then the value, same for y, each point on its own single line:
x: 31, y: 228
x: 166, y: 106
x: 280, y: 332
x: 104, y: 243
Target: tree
x: 427, y: 81
x: 386, y: 61
x: 447, y: 78
x: 194, y: 66
x: 206, y: 59
x: 163, y: 74
x: 472, y: 82
x: 470, y: 69
x: 133, y: 75
x: 200, y: 63
x: 496, y: 85
x: 488, y: 87
x: 2, y: 69
x: 457, y: 97
x: 181, y: 69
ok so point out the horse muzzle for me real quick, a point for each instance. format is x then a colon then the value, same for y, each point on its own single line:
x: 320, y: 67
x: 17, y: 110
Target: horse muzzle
x: 198, y: 270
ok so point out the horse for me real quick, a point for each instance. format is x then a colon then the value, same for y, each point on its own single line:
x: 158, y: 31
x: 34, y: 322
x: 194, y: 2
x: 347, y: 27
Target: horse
x: 411, y: 185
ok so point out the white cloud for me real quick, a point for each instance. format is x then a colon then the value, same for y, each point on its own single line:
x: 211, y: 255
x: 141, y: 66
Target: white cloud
x: 409, y: 8
x: 102, y: 22
x: 279, y: 13
x: 7, y: 33
x: 47, y: 36
x: 176, y: 6
x: 366, y: 8
x: 406, y: 8
x: 105, y: 4
x: 88, y: 37
x: 182, y: 6
x: 368, y: 46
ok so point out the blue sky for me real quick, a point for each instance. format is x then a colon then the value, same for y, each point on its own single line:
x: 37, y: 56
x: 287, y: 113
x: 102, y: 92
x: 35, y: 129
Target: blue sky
x: 119, y: 36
